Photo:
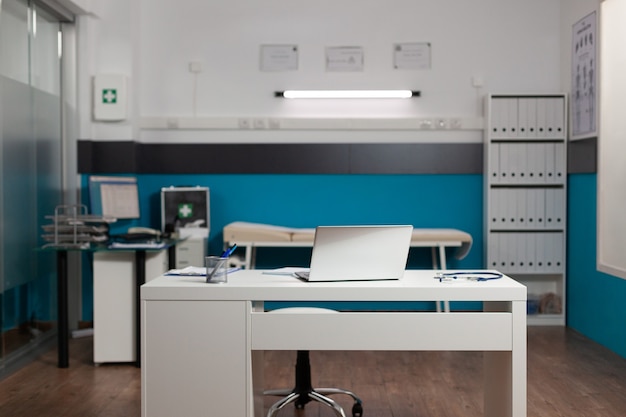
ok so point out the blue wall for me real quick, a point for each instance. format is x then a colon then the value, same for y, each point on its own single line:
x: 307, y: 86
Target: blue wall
x: 439, y: 201
x: 595, y: 301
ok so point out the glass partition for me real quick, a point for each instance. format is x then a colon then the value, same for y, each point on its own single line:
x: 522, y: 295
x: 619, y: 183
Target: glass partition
x: 30, y: 173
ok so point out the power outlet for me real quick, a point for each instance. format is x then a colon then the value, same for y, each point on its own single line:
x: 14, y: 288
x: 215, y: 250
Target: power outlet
x: 426, y: 124
x: 456, y: 123
x: 273, y: 124
x: 244, y: 123
x: 258, y: 123
x: 195, y: 67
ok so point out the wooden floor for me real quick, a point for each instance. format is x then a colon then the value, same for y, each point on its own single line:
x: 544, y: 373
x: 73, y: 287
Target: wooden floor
x: 568, y: 376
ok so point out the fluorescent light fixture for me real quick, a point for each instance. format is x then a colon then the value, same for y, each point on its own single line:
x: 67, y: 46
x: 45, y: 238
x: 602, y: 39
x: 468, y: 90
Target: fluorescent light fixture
x: 347, y: 94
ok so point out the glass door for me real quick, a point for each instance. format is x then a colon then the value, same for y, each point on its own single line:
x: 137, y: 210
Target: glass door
x: 30, y: 172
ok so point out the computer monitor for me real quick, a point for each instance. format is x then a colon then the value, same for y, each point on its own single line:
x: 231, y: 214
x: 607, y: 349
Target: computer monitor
x: 114, y: 196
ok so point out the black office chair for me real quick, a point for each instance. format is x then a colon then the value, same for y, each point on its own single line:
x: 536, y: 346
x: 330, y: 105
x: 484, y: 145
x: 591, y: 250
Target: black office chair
x: 304, y: 392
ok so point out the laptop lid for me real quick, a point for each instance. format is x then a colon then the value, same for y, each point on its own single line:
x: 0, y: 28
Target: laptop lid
x: 359, y: 253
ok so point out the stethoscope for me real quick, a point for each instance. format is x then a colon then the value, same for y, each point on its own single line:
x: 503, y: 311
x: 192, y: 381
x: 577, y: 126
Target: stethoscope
x: 468, y: 276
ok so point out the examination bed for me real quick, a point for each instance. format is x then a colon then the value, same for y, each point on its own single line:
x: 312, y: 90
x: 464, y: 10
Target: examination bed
x: 255, y: 235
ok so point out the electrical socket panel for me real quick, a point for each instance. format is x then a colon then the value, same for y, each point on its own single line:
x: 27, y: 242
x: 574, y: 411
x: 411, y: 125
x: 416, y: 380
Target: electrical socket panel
x: 244, y: 123
x: 426, y: 124
x: 258, y: 123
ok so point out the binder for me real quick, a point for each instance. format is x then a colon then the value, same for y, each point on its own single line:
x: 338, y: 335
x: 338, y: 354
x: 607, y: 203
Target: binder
x: 531, y: 209
x: 507, y: 256
x: 555, y: 208
x: 531, y: 123
x: 493, y: 253
x: 522, y: 117
x: 540, y: 252
x: 520, y: 208
x: 505, y: 165
x: 558, y: 112
x: 560, y: 207
x: 521, y: 252
x: 550, y: 163
x: 512, y: 208
x: 540, y: 208
x: 541, y: 160
x: 512, y: 117
x: 529, y: 241
x: 550, y: 208
x: 504, y: 208
x: 525, y: 161
x: 560, y: 163
x: 514, y: 161
x: 550, y: 118
x: 559, y: 253
x: 555, y: 252
x: 531, y: 174
x: 496, y: 117
x: 541, y: 117
x: 494, y: 209
x: 494, y: 164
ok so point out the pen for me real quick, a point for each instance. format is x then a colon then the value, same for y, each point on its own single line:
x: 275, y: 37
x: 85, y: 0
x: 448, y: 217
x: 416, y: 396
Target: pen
x: 228, y: 251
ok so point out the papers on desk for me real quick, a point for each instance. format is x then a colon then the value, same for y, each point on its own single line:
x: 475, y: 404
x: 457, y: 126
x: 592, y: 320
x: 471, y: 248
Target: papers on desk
x: 137, y: 245
x: 287, y: 270
x: 195, y: 271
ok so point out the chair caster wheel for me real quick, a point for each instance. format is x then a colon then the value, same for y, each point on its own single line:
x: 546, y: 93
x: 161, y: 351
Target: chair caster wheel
x: 357, y: 410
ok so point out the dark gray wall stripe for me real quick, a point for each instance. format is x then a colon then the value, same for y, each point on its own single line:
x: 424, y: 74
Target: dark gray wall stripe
x: 582, y: 156
x: 96, y: 157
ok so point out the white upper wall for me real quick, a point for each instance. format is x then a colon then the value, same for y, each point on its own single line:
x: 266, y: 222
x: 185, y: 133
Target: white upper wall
x: 513, y: 46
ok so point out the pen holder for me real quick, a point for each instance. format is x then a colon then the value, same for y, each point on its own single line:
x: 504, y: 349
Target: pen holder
x: 216, y: 269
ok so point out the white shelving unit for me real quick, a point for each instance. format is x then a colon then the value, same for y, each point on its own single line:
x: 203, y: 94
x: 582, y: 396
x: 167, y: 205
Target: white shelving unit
x: 525, y: 197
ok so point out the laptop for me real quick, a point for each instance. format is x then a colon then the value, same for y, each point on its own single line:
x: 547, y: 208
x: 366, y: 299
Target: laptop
x: 358, y: 253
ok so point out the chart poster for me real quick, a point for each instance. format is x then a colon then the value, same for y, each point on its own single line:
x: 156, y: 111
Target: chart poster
x: 583, y: 102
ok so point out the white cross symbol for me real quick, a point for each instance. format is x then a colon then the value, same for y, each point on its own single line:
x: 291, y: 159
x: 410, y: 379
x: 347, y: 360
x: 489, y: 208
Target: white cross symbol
x: 109, y: 96
x: 185, y: 210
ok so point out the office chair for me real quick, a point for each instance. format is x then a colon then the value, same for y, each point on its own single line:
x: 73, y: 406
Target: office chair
x: 303, y: 392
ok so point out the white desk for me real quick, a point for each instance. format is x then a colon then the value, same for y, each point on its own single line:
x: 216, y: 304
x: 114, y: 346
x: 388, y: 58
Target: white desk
x: 202, y: 343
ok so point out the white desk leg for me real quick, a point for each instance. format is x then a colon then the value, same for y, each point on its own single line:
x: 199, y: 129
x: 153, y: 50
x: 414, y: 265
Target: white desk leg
x: 505, y: 372
x: 257, y: 361
x: 248, y: 260
x: 252, y: 257
x: 442, y: 257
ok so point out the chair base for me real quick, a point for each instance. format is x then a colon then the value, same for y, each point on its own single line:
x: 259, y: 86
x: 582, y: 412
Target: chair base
x: 319, y: 395
x: 304, y: 392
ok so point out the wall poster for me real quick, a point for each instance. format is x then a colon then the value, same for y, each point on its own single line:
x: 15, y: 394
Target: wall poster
x: 583, y: 99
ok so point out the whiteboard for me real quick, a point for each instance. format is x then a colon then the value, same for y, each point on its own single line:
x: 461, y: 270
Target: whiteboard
x: 611, y: 199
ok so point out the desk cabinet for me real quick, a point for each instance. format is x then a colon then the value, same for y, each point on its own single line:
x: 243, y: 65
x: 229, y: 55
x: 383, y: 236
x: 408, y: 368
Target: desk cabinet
x: 200, y: 347
x: 525, y: 197
x: 191, y: 252
x: 114, y: 295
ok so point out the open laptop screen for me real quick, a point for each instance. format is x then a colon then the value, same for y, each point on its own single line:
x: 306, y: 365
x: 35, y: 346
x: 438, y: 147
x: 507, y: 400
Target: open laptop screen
x: 346, y: 253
